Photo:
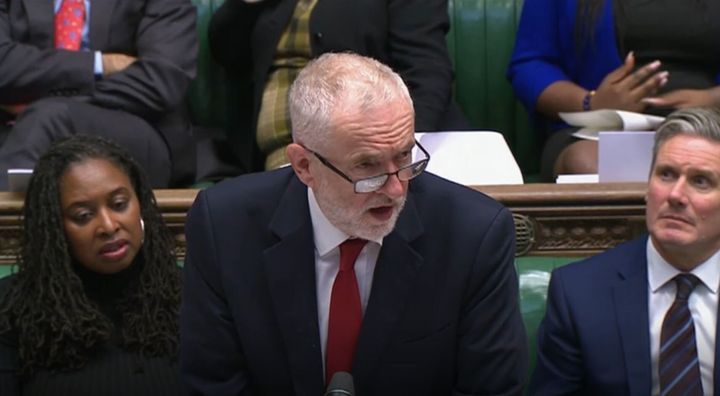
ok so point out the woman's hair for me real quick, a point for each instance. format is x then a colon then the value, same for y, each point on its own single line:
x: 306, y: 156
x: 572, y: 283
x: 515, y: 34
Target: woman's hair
x: 57, y: 326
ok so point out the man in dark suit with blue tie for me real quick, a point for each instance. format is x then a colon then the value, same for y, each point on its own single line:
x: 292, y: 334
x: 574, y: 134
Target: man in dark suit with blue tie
x: 342, y: 263
x: 641, y: 319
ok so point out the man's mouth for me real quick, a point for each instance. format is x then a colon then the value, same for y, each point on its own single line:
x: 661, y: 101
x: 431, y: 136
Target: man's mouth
x: 382, y: 213
x: 672, y: 217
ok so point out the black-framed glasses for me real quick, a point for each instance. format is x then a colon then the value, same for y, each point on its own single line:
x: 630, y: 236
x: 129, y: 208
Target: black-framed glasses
x: 372, y: 184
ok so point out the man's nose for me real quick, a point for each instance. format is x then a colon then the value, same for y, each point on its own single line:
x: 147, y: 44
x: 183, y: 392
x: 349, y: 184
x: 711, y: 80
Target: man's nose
x: 393, y: 187
x: 678, y: 194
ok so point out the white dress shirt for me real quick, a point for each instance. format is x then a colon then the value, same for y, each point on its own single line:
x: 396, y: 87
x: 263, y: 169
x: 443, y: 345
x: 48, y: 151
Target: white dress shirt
x: 327, y: 263
x: 703, y: 303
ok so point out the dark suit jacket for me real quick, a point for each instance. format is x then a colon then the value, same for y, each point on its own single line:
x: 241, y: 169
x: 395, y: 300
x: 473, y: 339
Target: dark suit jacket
x: 595, y: 337
x: 442, y: 319
x: 407, y: 35
x: 161, y: 33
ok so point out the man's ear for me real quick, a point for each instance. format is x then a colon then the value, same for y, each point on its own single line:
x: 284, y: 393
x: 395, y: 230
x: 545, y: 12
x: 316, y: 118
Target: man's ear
x: 300, y: 161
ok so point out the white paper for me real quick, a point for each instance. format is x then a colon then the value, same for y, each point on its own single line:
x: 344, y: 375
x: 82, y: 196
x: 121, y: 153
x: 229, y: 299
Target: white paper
x: 625, y: 156
x: 578, y: 178
x: 470, y: 157
x: 591, y: 122
x: 18, y: 179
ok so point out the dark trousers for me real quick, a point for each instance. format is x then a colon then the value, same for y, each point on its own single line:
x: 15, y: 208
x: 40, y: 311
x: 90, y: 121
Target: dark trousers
x: 50, y: 119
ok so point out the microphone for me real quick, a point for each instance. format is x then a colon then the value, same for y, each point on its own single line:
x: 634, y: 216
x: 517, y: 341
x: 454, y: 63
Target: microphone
x: 341, y: 384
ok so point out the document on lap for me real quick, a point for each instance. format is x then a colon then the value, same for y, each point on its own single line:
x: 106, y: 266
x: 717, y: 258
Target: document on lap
x: 592, y: 122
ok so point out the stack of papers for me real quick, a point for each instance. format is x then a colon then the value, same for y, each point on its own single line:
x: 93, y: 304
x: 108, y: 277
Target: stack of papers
x: 592, y: 122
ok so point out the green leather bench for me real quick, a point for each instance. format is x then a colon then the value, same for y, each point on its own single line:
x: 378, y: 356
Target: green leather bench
x: 481, y: 40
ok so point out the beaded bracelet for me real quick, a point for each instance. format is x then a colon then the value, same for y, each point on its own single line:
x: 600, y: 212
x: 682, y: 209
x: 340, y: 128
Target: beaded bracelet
x: 586, y: 100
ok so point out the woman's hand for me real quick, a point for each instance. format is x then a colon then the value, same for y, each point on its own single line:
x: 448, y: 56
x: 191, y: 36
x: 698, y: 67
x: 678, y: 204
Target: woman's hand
x: 682, y: 98
x: 625, y: 89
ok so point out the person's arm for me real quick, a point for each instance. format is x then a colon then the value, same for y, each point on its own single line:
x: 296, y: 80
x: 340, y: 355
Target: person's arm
x: 418, y: 52
x: 492, y: 345
x: 683, y: 98
x: 28, y: 73
x: 157, y: 81
x: 559, y: 367
x: 537, y: 58
x: 541, y: 82
x: 211, y: 356
x: 622, y: 89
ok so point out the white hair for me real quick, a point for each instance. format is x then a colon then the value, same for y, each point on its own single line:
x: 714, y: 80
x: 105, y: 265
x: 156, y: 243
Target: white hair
x: 337, y: 82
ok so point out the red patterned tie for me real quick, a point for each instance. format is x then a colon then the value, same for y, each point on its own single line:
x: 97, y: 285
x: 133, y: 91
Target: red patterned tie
x: 345, y: 312
x: 69, y: 22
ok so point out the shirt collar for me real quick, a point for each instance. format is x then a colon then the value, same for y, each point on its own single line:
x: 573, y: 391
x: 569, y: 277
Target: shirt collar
x: 661, y: 272
x: 326, y: 236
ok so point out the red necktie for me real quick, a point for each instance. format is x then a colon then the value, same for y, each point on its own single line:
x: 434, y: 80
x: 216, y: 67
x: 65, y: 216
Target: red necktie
x: 69, y: 22
x: 345, y: 312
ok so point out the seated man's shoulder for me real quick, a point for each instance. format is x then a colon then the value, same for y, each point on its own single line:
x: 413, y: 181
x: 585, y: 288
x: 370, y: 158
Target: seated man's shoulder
x: 625, y: 257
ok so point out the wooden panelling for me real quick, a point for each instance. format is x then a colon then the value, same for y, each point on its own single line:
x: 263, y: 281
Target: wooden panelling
x: 550, y: 219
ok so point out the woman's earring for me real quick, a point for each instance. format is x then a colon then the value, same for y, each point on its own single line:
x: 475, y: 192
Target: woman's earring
x: 142, y: 228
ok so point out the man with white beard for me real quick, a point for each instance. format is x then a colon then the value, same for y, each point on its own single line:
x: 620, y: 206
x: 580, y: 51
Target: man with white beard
x: 351, y: 260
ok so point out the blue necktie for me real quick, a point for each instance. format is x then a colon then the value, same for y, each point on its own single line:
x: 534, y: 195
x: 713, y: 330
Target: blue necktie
x: 679, y: 365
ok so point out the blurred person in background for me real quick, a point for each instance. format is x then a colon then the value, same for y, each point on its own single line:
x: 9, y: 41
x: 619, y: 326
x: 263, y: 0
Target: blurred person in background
x: 645, y: 56
x: 115, y: 68
x: 265, y: 43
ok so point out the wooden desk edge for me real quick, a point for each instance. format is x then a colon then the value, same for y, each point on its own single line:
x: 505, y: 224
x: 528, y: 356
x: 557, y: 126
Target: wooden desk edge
x: 550, y: 219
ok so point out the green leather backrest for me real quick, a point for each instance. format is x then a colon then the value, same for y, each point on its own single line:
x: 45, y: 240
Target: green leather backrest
x: 207, y: 98
x: 6, y: 270
x: 534, y: 277
x: 481, y: 39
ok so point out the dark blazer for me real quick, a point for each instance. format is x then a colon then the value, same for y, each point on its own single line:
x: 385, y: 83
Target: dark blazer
x: 595, y: 337
x: 160, y: 33
x: 442, y: 319
x: 407, y: 35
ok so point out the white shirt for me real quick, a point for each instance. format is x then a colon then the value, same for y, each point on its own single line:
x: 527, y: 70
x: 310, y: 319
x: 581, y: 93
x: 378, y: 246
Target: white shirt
x: 703, y: 303
x: 327, y: 263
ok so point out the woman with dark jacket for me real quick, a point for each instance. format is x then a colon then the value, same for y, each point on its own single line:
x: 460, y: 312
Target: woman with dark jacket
x: 93, y: 307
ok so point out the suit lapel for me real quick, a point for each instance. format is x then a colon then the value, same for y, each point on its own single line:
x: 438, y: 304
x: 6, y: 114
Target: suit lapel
x: 290, y: 266
x: 100, y: 17
x: 41, y: 19
x: 397, y: 266
x: 631, y: 307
